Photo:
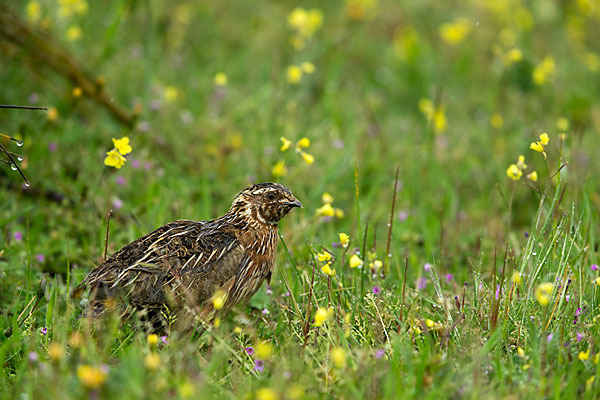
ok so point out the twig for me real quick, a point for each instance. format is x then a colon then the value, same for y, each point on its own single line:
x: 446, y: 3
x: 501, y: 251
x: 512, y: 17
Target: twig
x: 108, y: 214
x: 391, y: 224
x: 24, y: 107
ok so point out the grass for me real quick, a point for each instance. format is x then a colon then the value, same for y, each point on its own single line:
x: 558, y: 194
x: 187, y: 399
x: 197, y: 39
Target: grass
x: 460, y: 311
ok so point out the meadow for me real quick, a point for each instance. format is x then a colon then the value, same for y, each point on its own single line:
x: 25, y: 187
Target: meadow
x: 446, y: 154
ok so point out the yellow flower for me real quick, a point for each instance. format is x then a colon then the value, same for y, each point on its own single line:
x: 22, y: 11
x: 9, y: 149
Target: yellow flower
x: 302, y: 143
x: 266, y: 394
x: 344, y: 239
x: 589, y: 382
x: 598, y: 281
x: 533, y: 176
x: 73, y: 33
x: 91, y: 377
x: 264, y: 350
x: 307, y: 67
x: 327, y: 198
x: 537, y: 147
x: 521, y: 163
x: 439, y: 121
x: 325, y: 256
x: 513, y: 172
x: 526, y: 367
x: 376, y: 265
x: 122, y: 145
x: 217, y: 322
x: 544, y: 139
x: 540, y: 146
x: 355, y: 261
x: 286, y: 144
x: 220, y: 79
x: 513, y: 55
x: 592, y: 61
x: 339, y: 213
x: 427, y: 108
x: 326, y: 269
x: 34, y: 11
x: 294, y: 74
x: 322, y: 315
x: 338, y: 356
x: 584, y: 356
x: 305, y: 22
x: 76, y: 340
x: 218, y: 299
x: 325, y: 211
x: 153, y: 339
x: 429, y: 323
x: 516, y: 278
x: 56, y: 351
x: 308, y: 158
x: 77, y: 92
x: 52, y: 114
x: 496, y: 121
x: 279, y: 169
x: 597, y: 358
x: 543, y: 292
x: 152, y: 361
x: 295, y: 392
x: 237, y: 330
x: 114, y: 159
x: 562, y: 124
x: 544, y: 70
x: 520, y: 352
x: 170, y: 93
x: 455, y: 32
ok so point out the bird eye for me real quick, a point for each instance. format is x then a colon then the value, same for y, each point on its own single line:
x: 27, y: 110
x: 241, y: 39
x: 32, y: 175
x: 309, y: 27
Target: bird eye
x: 271, y: 196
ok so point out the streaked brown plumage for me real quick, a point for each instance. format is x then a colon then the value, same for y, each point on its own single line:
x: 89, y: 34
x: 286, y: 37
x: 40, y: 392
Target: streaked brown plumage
x: 178, y: 268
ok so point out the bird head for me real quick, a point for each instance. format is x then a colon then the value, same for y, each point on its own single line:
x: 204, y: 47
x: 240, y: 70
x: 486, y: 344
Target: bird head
x: 265, y: 203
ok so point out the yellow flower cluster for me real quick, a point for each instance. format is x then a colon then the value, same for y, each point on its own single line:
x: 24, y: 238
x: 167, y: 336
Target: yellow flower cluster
x: 540, y: 146
x: 115, y: 158
x: 338, y: 357
x: 515, y: 171
x: 34, y: 11
x: 91, y: 377
x: 327, y: 210
x: 544, y: 71
x: 68, y: 8
x: 322, y: 315
x: 434, y: 114
x: 374, y: 263
x: 294, y: 73
x: 299, y: 148
x: 327, y: 258
x: 304, y: 23
x: 543, y: 292
x: 455, y: 32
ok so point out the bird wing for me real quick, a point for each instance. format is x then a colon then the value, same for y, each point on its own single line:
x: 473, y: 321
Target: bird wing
x: 188, y: 255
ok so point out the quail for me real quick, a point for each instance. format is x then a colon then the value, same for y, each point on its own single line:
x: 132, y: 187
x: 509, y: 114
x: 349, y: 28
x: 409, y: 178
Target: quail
x: 175, y: 272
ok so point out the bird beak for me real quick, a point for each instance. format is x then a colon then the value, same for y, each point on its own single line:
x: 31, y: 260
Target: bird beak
x: 295, y: 203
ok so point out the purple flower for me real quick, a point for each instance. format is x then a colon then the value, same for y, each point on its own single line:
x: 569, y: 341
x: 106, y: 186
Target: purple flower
x: 33, y: 357
x: 379, y: 353
x: 449, y: 277
x: 579, y: 336
x: 594, y: 267
x: 421, y: 283
x: 287, y: 294
x: 18, y: 236
x: 135, y: 163
x: 497, y: 291
x: 249, y: 350
x: 567, y: 297
x: 44, y: 331
x: 265, y: 311
x: 526, y: 234
x: 549, y: 337
x: 259, y: 365
x: 269, y: 291
x: 120, y: 180
x: 117, y: 204
x: 52, y: 147
x: 40, y: 257
x: 578, y: 311
x: 403, y: 215
x: 164, y: 340
x: 427, y: 267
x: 376, y: 290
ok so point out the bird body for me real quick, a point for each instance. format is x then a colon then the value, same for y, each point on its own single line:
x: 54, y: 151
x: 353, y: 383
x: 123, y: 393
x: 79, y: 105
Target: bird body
x: 179, y: 268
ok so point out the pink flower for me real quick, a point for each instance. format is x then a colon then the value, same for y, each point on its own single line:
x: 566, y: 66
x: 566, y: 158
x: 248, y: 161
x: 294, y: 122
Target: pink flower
x: 249, y: 350
x: 379, y: 353
x: 579, y: 336
x: 421, y: 283
x: 117, y: 204
x: 549, y: 337
x: 594, y: 267
x: 40, y: 257
x: 120, y: 180
x: 18, y: 236
x: 427, y: 267
x: 164, y: 340
x: 44, y: 331
x: 376, y: 290
x: 449, y: 277
x: 52, y: 147
x: 259, y: 365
